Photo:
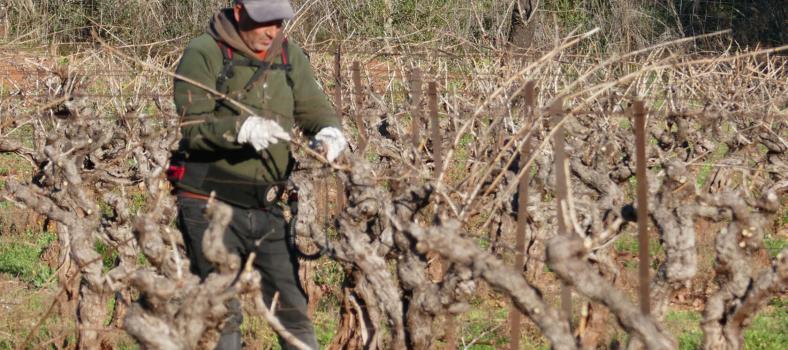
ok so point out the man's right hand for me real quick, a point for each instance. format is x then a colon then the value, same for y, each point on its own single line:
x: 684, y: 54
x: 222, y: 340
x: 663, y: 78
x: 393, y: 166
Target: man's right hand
x: 261, y: 133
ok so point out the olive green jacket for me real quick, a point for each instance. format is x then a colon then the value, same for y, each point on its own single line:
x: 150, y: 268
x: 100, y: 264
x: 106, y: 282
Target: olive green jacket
x: 210, y: 125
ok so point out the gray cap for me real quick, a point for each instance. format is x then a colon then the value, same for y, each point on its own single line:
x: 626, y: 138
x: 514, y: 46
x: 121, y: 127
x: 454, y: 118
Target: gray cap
x: 268, y: 10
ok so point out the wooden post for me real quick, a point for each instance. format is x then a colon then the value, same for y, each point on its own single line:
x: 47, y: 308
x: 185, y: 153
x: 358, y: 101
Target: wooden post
x: 515, y: 316
x: 358, y: 118
x: 642, y: 207
x: 415, y: 111
x: 562, y: 191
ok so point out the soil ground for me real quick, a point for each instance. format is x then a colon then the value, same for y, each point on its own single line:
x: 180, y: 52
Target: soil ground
x: 28, y: 288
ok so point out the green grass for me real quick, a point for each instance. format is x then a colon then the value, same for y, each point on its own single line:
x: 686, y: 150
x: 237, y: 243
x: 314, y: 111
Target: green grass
x: 483, y: 326
x: 457, y: 170
x: 20, y: 257
x: 12, y: 161
x: 629, y: 243
x: 27, y: 308
x: 767, y: 331
x: 329, y: 273
x: 142, y: 260
x: 631, y: 193
x: 784, y: 216
x: 705, y: 170
x: 255, y: 327
x: 624, y: 123
x: 24, y: 134
x: 108, y: 255
x: 659, y: 101
x: 326, y: 324
x: 126, y: 344
x: 568, y: 11
x: 686, y: 326
x: 372, y: 157
x: 138, y: 201
x: 774, y: 245
x: 487, y: 326
x: 483, y: 242
x: 326, y: 319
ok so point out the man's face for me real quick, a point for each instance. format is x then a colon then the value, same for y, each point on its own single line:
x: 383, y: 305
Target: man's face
x: 258, y: 36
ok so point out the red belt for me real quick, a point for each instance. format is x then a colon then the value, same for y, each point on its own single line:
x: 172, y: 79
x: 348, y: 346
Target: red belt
x: 201, y: 196
x: 188, y: 194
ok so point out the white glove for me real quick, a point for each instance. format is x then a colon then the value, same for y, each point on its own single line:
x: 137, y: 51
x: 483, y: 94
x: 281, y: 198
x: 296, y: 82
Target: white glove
x: 333, y: 141
x: 261, y: 133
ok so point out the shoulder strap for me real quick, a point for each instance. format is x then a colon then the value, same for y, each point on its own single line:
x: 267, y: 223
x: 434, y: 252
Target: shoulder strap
x: 228, y: 64
x: 227, y: 67
x: 288, y: 66
x: 261, y: 74
x: 284, y: 51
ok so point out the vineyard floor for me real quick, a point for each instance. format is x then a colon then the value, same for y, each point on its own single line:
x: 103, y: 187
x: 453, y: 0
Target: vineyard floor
x: 29, y: 287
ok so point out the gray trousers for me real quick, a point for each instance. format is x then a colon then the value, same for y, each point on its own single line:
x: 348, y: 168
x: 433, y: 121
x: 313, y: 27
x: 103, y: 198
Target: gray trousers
x: 277, y: 265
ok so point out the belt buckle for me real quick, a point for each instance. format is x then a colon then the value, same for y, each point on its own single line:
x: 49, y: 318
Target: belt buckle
x: 272, y: 194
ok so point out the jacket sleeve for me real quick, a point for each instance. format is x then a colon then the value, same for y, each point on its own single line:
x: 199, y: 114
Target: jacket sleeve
x: 312, y: 111
x: 201, y: 129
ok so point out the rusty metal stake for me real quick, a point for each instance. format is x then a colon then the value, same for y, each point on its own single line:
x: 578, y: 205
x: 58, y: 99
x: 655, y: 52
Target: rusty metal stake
x: 437, y: 159
x: 358, y: 119
x: 338, y: 82
x: 515, y: 316
x: 340, y: 188
x: 415, y: 111
x: 326, y: 207
x: 437, y: 139
x: 519, y: 258
x: 642, y: 207
x: 562, y: 190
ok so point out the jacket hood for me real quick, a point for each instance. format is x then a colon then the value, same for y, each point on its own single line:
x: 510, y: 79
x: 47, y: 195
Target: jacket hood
x: 224, y: 28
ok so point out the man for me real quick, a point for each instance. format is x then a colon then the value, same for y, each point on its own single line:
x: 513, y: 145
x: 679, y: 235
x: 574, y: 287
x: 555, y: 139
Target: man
x: 244, y: 158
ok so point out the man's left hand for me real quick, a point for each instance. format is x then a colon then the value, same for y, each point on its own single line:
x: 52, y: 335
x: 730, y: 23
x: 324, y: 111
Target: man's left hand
x: 333, y: 141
